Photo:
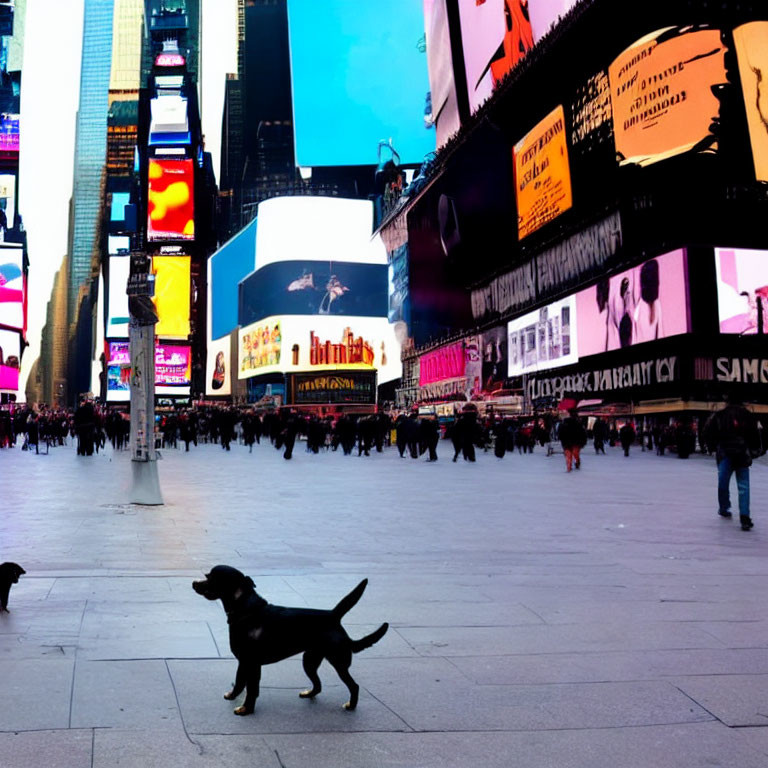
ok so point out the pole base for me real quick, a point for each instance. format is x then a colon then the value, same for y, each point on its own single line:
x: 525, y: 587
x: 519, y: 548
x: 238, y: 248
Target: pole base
x: 145, y: 488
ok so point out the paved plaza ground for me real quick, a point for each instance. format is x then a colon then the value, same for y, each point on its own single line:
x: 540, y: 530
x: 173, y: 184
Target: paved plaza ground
x: 606, y: 618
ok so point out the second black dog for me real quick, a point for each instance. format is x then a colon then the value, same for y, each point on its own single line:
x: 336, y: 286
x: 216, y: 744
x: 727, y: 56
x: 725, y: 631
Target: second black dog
x: 9, y: 574
x: 260, y: 633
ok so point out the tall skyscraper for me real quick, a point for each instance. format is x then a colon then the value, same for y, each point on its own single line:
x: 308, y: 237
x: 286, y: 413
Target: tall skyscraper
x: 90, y: 145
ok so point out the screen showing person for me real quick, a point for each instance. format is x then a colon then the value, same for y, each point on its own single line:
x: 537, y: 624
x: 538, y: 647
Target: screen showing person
x: 742, y: 290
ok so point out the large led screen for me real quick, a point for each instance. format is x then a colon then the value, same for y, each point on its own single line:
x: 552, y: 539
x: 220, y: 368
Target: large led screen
x: 218, y: 375
x: 8, y: 198
x: 118, y: 316
x: 359, y: 75
x: 444, y: 102
x: 544, y: 14
x: 227, y: 267
x: 544, y: 338
x: 542, y: 174
x: 314, y: 288
x: 442, y: 364
x: 742, y: 284
x: 171, y: 209
x: 9, y: 132
x: 317, y: 229
x: 292, y: 343
x: 751, y: 42
x: 662, y: 90
x: 10, y: 357
x: 169, y: 124
x: 644, y: 303
x: 173, y: 369
x: 172, y: 296
x: 11, y: 286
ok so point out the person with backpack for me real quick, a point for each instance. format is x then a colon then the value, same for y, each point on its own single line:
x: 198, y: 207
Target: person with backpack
x: 733, y: 435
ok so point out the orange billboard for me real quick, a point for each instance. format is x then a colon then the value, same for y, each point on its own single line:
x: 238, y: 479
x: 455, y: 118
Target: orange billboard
x: 662, y: 94
x: 171, y: 200
x: 751, y: 42
x: 172, y: 296
x: 542, y: 174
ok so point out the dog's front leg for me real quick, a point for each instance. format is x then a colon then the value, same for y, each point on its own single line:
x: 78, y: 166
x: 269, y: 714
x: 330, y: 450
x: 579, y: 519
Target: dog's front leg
x: 239, y: 687
x: 253, y: 678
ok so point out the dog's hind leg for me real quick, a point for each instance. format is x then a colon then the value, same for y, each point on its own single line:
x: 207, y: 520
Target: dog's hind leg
x: 341, y: 662
x: 311, y: 662
x: 239, y: 686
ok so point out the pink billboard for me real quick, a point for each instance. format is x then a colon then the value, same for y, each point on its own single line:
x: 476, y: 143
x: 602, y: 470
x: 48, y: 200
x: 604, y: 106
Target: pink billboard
x: 742, y: 284
x: 442, y: 364
x: 173, y: 365
x: 645, y: 303
x: 10, y: 355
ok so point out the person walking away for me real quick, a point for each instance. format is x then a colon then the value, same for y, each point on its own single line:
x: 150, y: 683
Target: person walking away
x: 627, y: 436
x: 430, y: 434
x: 500, y: 438
x: 401, y: 431
x: 573, y: 437
x: 733, y: 434
x: 600, y: 435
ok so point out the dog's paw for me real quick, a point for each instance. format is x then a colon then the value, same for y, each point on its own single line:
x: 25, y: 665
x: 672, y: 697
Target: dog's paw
x: 3, y: 609
x: 229, y: 695
x: 349, y: 706
x: 308, y: 694
x: 242, y: 711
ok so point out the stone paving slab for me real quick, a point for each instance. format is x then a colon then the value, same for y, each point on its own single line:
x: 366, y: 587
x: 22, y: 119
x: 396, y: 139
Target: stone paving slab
x: 52, y: 749
x: 35, y: 694
x: 607, y: 666
x: 201, y: 684
x: 126, y: 694
x: 736, y: 700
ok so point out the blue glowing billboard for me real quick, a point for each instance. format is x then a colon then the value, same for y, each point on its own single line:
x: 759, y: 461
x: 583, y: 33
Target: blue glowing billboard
x: 359, y: 75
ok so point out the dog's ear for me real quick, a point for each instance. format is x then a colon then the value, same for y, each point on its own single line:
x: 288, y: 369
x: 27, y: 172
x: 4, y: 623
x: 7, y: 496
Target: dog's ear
x: 249, y: 582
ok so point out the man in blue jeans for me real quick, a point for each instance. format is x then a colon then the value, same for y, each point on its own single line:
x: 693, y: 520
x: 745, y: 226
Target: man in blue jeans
x: 733, y: 434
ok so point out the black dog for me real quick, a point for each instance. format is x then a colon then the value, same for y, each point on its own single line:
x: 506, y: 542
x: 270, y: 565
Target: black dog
x: 9, y: 574
x: 260, y: 633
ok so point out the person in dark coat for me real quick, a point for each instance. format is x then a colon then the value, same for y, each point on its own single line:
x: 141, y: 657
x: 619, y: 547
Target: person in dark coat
x: 627, y: 436
x: 468, y: 430
x: 733, y: 435
x: 573, y: 437
x: 430, y: 434
x: 401, y: 433
x: 85, y: 427
x: 412, y: 434
x: 600, y: 435
x: 500, y: 438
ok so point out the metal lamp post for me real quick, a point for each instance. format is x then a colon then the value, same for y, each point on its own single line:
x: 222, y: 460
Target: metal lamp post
x: 145, y: 487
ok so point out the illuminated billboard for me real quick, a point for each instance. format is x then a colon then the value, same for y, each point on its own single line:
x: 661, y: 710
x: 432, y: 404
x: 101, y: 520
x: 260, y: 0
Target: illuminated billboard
x: 218, y: 375
x: 544, y: 338
x: 117, y: 308
x: 171, y: 209
x: 169, y: 122
x: 751, y: 42
x: 118, y: 244
x: 314, y: 288
x: 10, y: 357
x: 542, y: 174
x: 172, y: 296
x: 317, y: 229
x: 545, y: 14
x: 292, y: 343
x: 9, y: 132
x: 11, y: 286
x: 8, y: 198
x: 742, y: 285
x: 173, y: 370
x: 645, y: 303
x: 445, y: 107
x: 234, y: 261
x: 448, y: 362
x: 662, y: 89
x: 372, y: 83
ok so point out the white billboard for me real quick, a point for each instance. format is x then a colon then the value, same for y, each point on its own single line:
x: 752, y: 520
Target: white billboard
x: 294, y: 343
x: 218, y: 374
x: 317, y: 229
x: 117, y: 317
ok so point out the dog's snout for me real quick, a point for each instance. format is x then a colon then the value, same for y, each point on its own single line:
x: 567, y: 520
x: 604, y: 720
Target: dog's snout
x: 197, y: 586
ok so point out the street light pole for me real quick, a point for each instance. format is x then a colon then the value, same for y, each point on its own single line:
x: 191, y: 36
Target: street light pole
x: 145, y: 487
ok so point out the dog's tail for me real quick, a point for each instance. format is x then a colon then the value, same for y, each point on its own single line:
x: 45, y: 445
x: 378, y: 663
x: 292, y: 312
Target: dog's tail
x: 369, y: 640
x: 347, y: 603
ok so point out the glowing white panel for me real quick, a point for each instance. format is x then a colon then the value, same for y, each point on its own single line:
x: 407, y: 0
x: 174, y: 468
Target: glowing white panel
x: 294, y: 343
x: 117, y: 321
x: 318, y: 229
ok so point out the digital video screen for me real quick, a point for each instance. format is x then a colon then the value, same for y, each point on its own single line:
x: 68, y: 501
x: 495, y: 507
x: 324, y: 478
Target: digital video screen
x: 171, y: 208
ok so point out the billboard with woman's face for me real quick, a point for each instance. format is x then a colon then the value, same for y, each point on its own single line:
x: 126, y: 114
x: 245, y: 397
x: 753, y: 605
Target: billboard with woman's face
x: 645, y: 303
